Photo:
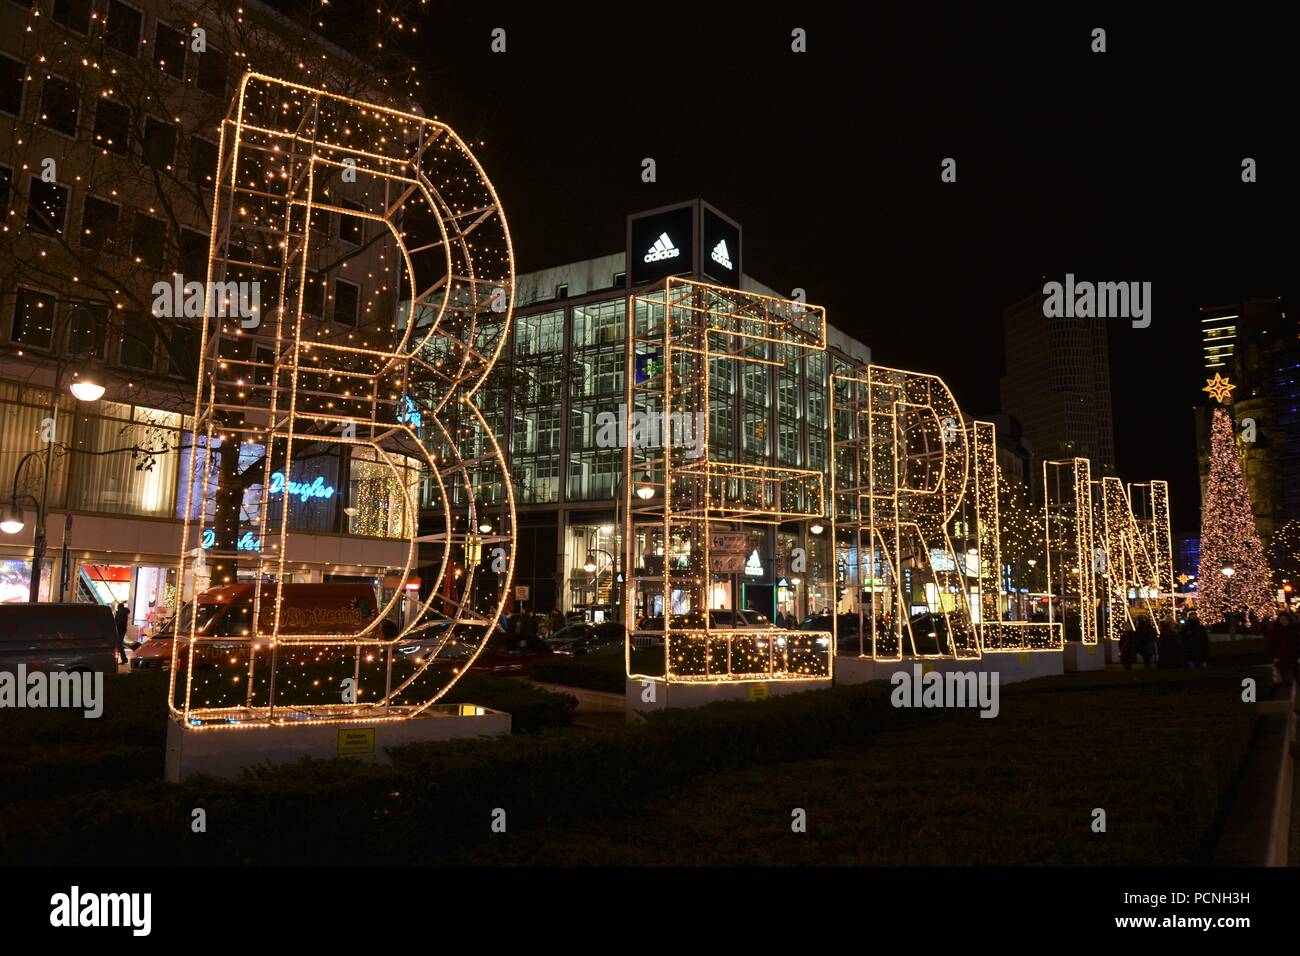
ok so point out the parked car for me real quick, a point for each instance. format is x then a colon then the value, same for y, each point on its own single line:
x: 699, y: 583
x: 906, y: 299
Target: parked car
x: 225, y: 617
x: 582, y: 638
x: 57, y: 637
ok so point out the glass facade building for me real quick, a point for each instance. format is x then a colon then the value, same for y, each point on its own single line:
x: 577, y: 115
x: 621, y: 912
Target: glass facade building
x: 561, y: 375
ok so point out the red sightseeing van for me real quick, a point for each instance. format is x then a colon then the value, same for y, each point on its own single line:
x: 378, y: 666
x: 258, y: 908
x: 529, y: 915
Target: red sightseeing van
x: 225, y: 616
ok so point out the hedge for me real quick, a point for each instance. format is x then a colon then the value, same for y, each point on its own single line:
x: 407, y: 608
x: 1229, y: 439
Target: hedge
x: 433, y: 797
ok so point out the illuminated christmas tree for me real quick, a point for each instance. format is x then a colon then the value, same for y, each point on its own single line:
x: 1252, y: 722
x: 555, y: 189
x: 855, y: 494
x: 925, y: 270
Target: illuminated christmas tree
x: 1228, y: 537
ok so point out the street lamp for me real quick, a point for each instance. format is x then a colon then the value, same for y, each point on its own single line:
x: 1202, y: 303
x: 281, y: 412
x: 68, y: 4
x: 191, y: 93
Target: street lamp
x: 817, y: 527
x: 88, y: 385
x: 13, y: 521
x: 644, y: 489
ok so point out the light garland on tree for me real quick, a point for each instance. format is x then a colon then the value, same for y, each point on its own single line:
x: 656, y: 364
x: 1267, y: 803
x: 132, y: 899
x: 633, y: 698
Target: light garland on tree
x: 1229, y: 538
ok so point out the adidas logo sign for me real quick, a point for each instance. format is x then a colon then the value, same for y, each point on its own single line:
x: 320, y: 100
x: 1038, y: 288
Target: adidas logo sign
x: 720, y: 254
x: 662, y: 249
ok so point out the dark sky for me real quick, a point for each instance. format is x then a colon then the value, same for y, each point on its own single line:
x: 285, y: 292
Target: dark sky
x: 1115, y: 166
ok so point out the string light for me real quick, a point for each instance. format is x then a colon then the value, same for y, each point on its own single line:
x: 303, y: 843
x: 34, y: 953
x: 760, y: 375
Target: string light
x: 394, y: 384
x: 1229, y: 538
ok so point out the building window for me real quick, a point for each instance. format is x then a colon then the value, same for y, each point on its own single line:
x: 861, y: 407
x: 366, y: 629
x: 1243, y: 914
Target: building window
x: 124, y: 28
x: 148, y: 236
x: 211, y: 77
x: 203, y: 162
x: 120, y: 483
x: 73, y: 14
x: 313, y: 296
x: 60, y: 106
x: 194, y: 255
x: 13, y: 79
x: 138, y: 343
x: 601, y: 323
x: 169, y: 50
x: 47, y: 206
x: 347, y: 302
x: 99, y: 222
x: 352, y: 228
x: 112, y: 126
x: 87, y: 330
x: 159, y: 143
x: 183, y: 360
x: 539, y: 334
x: 33, y: 319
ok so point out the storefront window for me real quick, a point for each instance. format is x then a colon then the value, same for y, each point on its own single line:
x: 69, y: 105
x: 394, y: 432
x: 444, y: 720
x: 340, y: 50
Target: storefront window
x: 375, y: 491
x: 129, y: 461
x: 24, y: 425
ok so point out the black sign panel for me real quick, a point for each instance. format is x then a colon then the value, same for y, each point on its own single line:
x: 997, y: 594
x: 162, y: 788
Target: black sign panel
x: 721, y: 250
x: 661, y: 245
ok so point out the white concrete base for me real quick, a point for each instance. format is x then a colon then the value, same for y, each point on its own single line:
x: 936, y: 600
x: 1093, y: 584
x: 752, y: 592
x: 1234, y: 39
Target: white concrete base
x: 1084, y: 657
x: 662, y: 695
x: 1112, y: 650
x: 1010, y: 666
x: 222, y: 751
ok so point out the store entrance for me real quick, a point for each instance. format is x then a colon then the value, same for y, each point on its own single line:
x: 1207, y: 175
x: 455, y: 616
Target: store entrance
x: 760, y: 598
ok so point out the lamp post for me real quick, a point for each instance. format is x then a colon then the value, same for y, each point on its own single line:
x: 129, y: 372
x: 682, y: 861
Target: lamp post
x: 1228, y: 571
x: 1029, y: 580
x: 13, y: 521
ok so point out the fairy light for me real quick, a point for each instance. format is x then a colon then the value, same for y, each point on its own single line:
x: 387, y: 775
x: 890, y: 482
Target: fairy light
x: 692, y: 330
x: 395, y: 385
x: 1229, y: 537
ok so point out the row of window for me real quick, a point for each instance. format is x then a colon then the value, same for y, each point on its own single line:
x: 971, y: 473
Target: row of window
x: 124, y: 32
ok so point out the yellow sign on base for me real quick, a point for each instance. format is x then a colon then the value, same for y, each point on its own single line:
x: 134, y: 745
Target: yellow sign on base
x: 358, y: 741
x: 758, y: 692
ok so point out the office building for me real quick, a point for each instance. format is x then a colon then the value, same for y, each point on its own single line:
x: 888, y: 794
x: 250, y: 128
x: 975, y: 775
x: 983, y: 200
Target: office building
x: 563, y: 369
x: 1057, y: 385
x: 1255, y: 345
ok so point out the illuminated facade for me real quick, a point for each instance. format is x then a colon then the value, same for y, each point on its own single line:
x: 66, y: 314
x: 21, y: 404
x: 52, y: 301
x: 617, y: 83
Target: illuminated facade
x: 397, y: 385
x: 559, y: 382
x: 131, y: 117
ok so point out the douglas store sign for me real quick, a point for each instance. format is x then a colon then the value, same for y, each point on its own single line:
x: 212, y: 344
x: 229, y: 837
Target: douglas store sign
x: 688, y: 239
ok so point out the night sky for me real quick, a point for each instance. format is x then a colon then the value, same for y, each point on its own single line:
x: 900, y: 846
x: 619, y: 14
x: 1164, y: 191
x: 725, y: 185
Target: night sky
x: 1123, y: 166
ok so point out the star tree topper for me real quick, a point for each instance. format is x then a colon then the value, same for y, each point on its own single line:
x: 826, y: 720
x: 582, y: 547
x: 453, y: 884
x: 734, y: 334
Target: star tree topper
x: 1218, y: 387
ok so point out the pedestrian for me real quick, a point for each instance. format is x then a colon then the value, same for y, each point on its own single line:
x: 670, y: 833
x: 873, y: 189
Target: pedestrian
x: 1283, y: 645
x: 1128, y: 649
x: 1196, y: 641
x: 1172, y: 649
x: 1145, y: 639
x: 121, y: 619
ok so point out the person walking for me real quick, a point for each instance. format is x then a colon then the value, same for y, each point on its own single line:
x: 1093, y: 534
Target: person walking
x: 1128, y: 654
x: 121, y: 619
x: 1283, y: 645
x: 1196, y: 641
x: 1171, y: 648
x: 1145, y: 638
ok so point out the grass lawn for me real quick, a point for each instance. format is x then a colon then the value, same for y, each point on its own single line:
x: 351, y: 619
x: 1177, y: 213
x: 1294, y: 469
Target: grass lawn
x: 1157, y: 751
